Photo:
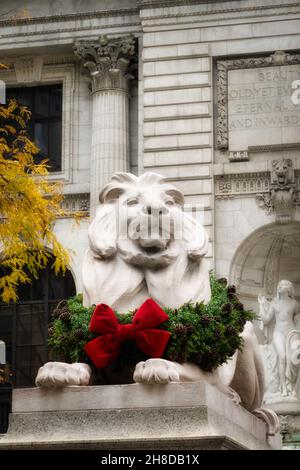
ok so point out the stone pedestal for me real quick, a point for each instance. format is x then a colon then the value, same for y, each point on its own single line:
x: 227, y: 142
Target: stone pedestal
x: 288, y: 411
x: 107, y: 62
x: 152, y: 417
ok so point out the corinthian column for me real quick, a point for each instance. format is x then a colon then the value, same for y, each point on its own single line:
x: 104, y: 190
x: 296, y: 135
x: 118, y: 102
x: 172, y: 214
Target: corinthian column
x: 107, y: 62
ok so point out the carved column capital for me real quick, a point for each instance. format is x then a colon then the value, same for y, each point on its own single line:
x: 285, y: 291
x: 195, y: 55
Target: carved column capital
x: 108, y: 61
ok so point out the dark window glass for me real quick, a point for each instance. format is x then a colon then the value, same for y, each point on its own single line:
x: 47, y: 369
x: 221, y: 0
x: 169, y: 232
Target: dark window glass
x: 45, y: 127
x: 24, y: 325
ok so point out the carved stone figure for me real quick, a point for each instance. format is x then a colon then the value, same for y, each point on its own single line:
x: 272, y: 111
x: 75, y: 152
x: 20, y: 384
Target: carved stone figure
x: 142, y: 244
x: 281, y: 326
x: 282, y: 197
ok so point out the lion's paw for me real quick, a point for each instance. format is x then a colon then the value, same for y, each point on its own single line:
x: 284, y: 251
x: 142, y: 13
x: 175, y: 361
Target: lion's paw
x: 156, y: 371
x: 234, y: 396
x: 60, y: 374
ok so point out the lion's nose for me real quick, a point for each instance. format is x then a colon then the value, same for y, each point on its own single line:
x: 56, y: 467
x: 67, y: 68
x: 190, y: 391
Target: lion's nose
x: 155, y: 210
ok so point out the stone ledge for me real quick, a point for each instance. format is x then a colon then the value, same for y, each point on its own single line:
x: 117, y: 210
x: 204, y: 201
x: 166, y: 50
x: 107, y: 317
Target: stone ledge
x: 172, y: 416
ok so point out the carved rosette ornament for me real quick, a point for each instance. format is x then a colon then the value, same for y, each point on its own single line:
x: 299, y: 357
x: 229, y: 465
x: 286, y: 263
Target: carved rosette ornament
x: 108, y: 61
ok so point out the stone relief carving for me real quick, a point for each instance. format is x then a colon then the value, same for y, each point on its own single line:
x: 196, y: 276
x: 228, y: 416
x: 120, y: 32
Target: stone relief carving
x: 76, y: 203
x: 276, y: 192
x: 280, y: 323
x: 238, y: 184
x: 223, y: 66
x: 284, y: 424
x: 283, y: 194
x: 238, y: 156
x: 28, y: 69
x: 108, y: 61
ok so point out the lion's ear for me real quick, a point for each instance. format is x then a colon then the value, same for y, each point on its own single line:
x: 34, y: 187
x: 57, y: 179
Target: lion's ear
x: 118, y: 185
x: 103, y: 232
x: 176, y: 195
x: 195, y: 237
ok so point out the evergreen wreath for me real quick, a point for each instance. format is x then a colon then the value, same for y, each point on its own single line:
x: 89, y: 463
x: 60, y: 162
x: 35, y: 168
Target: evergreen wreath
x: 206, y: 335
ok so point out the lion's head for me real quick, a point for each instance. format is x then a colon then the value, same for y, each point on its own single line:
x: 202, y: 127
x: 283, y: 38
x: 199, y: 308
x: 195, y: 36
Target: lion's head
x: 282, y: 172
x: 142, y: 218
x: 143, y: 243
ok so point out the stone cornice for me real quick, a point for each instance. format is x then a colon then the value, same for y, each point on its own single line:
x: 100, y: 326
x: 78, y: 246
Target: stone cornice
x: 143, y: 4
x: 107, y: 61
x: 68, y: 17
x: 153, y: 4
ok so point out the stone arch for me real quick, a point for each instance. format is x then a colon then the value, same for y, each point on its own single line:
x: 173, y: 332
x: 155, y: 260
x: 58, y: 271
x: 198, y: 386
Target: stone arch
x: 266, y: 256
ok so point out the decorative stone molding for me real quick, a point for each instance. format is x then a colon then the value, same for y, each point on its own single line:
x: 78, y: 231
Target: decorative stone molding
x: 63, y: 18
x: 276, y: 192
x: 223, y: 66
x: 45, y: 60
x: 28, y: 69
x: 108, y: 61
x: 284, y: 194
x: 242, y: 156
x: 76, y: 203
x: 228, y: 186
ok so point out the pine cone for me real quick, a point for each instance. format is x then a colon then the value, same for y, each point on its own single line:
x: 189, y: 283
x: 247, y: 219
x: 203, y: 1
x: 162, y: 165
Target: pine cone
x: 231, y: 330
x: 79, y: 334
x: 59, y: 307
x: 50, y: 331
x: 226, y: 309
x: 180, y: 330
x: 217, y: 318
x: 222, y: 280
x: 231, y: 289
x: 239, y: 306
x: 190, y: 329
x: 65, y: 316
x: 217, y: 333
x: 205, y: 320
x: 241, y: 323
x: 63, y: 337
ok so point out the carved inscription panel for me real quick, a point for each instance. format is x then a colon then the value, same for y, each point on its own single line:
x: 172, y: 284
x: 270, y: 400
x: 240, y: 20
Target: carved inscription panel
x: 260, y: 108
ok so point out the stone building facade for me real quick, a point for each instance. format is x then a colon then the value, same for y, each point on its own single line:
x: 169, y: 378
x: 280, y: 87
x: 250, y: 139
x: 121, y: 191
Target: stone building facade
x: 203, y: 92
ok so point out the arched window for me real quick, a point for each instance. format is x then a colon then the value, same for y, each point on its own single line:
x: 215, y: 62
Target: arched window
x: 24, y: 325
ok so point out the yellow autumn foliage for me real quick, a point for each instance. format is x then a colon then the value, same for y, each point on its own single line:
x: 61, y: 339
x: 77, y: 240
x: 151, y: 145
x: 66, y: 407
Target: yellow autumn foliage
x: 29, y: 205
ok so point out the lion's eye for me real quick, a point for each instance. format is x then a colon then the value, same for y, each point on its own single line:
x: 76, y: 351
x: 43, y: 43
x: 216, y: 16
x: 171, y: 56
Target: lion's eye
x: 132, y: 202
x: 169, y: 202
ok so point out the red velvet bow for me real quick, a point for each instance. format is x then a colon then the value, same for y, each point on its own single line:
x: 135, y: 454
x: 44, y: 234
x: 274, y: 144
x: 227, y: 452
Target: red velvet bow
x: 104, y: 349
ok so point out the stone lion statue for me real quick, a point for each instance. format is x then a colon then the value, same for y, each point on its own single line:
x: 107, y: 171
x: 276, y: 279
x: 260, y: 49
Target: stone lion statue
x: 142, y: 244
